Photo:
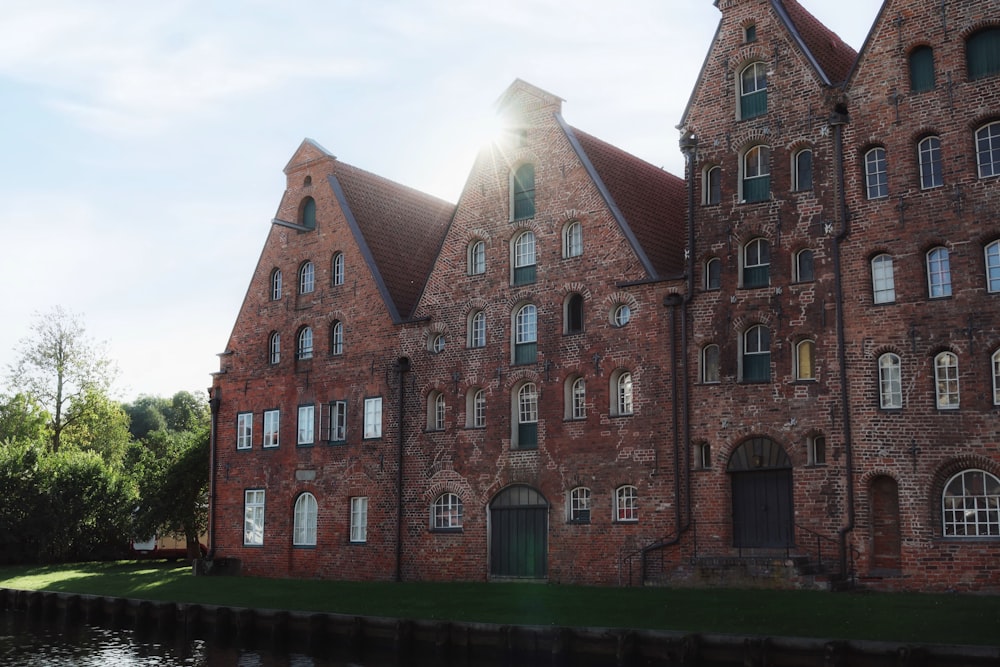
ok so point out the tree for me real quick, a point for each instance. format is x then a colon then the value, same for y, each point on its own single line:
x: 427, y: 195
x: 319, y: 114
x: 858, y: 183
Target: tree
x: 58, y: 364
x: 96, y: 423
x: 22, y: 420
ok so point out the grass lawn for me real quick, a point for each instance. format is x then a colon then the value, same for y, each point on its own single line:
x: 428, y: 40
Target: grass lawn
x: 902, y: 617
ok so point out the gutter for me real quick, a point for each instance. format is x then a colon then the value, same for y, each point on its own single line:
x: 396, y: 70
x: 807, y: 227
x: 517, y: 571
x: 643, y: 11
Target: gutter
x: 214, y: 402
x: 401, y: 367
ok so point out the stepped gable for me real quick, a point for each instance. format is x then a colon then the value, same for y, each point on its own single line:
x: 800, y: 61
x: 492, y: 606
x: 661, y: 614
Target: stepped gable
x: 651, y: 201
x: 834, y: 57
x: 402, y: 230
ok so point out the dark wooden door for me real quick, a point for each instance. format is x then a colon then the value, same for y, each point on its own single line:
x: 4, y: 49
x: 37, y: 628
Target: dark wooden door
x: 886, y: 536
x: 519, y: 526
x: 762, y: 509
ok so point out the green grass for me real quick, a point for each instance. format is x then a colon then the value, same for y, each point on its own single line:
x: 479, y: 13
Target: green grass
x: 902, y: 617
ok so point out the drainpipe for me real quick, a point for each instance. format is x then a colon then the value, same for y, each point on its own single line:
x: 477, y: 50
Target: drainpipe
x: 402, y: 366
x: 837, y: 121
x: 214, y: 402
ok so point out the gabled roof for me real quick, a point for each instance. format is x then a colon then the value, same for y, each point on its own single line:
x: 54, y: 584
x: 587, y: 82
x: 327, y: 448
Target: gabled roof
x: 399, y: 231
x: 830, y: 55
x: 648, y: 202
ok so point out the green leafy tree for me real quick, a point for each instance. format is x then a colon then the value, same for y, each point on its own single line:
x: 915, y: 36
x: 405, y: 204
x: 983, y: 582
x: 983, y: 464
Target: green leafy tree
x: 98, y: 424
x: 22, y: 420
x: 147, y: 414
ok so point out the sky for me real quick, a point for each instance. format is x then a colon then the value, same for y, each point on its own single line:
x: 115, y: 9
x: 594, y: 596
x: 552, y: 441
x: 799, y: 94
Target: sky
x: 142, y: 144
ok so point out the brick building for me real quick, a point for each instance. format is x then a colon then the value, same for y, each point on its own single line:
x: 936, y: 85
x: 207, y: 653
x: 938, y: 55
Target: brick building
x: 589, y: 370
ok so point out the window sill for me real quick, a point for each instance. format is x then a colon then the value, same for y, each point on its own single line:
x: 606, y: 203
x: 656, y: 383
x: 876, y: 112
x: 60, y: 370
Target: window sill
x: 475, y: 428
x: 624, y: 415
x: 267, y: 447
x: 626, y: 521
x: 578, y: 522
x: 336, y: 443
x: 306, y: 547
x: 572, y: 420
x: 303, y: 445
x: 447, y: 530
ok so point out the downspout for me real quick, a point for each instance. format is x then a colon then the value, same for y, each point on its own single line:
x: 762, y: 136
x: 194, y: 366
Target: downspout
x: 214, y: 402
x: 837, y: 121
x: 402, y: 366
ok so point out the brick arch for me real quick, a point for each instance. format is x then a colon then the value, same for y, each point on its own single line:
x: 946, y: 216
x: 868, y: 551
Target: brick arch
x: 744, y: 322
x: 622, y: 299
x: 476, y: 303
x: 747, y: 139
x: 516, y: 377
x: 918, y: 44
x: 922, y: 133
x: 749, y: 232
x: 519, y: 298
x: 433, y: 386
x: 747, y: 55
x: 976, y: 26
x: 798, y: 144
x: 446, y: 480
x: 335, y: 316
x: 517, y: 227
x: 886, y: 349
x: 571, y: 215
x: 743, y: 434
x: 476, y: 234
x: 575, y: 288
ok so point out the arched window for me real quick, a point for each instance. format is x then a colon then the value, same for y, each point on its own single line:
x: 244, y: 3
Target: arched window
x: 802, y: 170
x: 805, y: 360
x: 988, y: 149
x: 876, y: 173
x: 523, y: 192
x: 938, y: 272
x: 883, y: 281
x: 578, y: 507
x: 475, y: 408
x: 477, y: 329
x: 626, y: 503
x: 757, y: 263
x: 757, y: 354
x: 304, y: 348
x: 996, y: 377
x: 304, y: 522
x: 307, y: 278
x: 337, y: 337
x: 890, y: 382
x: 307, y: 213
x: 526, y: 417
x: 337, y: 269
x: 982, y: 53
x: 274, y: 348
x: 970, y: 505
x: 621, y: 315
x: 477, y: 258
x: 622, y: 392
x: 575, y: 397
x: 526, y: 334
x: 929, y: 158
x: 753, y: 90
x: 993, y: 266
x: 921, y: 69
x: 573, y: 314
x: 946, y: 380
x: 711, y: 186
x: 524, y: 258
x: 436, y: 344
x: 804, y: 267
x: 275, y: 285
x: 446, y: 512
x: 816, y: 450
x: 710, y: 364
x: 757, y: 174
x: 713, y: 274
x: 435, y: 411
x: 572, y: 238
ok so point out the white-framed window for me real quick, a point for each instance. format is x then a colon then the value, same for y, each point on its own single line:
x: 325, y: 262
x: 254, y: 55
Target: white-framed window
x: 929, y: 159
x: 757, y: 263
x: 703, y: 456
x: 274, y: 348
x: 816, y: 450
x: 437, y: 343
x: 337, y: 338
x: 477, y: 329
x: 525, y: 434
x: 805, y: 270
x: 244, y: 430
x: 996, y: 377
x: 946, y: 380
x: 373, y: 417
x: 447, y: 512
x: 573, y: 314
x: 890, y: 382
x: 572, y: 238
x: 435, y: 411
x: 621, y: 389
x: 276, y: 285
x: 304, y: 521
x: 524, y: 259
x: 988, y: 149
x: 805, y: 360
x: 307, y: 278
x: 876, y: 173
x: 710, y: 364
x: 756, y: 180
x: 253, y: 517
x: 307, y: 425
x: 475, y: 408
x: 304, y: 348
x: 579, y: 505
x: 526, y: 334
x: 713, y: 274
x: 523, y: 192
x: 883, y: 280
x: 575, y: 397
x: 753, y: 90
x: 938, y: 273
x: 621, y: 315
x: 802, y: 170
x: 992, y: 251
x: 970, y: 505
x: 359, y: 519
x: 337, y: 269
x: 338, y: 421
x: 626, y: 504
x: 711, y: 185
x: 272, y: 425
x: 757, y: 354
x: 476, y: 259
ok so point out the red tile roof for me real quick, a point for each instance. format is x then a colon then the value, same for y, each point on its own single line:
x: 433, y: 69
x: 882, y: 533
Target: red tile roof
x: 829, y: 51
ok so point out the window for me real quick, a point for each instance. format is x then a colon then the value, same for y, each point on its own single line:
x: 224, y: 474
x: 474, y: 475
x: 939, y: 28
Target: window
x: 802, y: 170
x: 359, y: 519
x: 244, y: 430
x: 622, y: 315
x: 477, y: 329
x: 703, y: 456
x: 275, y: 285
x: 475, y: 408
x: 753, y: 91
x: 274, y: 348
x: 626, y: 504
x: 816, y: 450
x: 970, y: 505
x: 437, y: 344
x: 805, y: 355
x: 996, y: 377
x: 373, y: 417
x: 576, y: 398
x: 338, y: 421
x: 446, y: 512
x: 890, y: 382
x: 876, y: 174
x: 757, y: 174
x: 883, y: 283
x: 253, y: 517
x: 713, y: 274
x: 573, y: 316
x: 305, y: 345
x: 929, y: 157
x: 337, y: 338
x: 337, y: 269
x: 524, y: 259
x: 304, y: 521
x: 527, y: 417
x: 757, y: 263
x: 711, y: 186
x: 526, y: 334
x: 477, y: 258
x: 523, y: 189
x: 804, y: 271
x: 921, y: 69
x: 307, y: 424
x: 272, y: 421
x: 946, y: 380
x: 993, y: 267
x: 938, y: 273
x: 572, y: 240
x: 982, y: 53
x: 307, y: 278
x: 621, y: 387
x: 710, y: 364
x: 307, y: 213
x: 435, y: 411
x: 757, y: 354
x: 579, y: 505
x: 988, y: 150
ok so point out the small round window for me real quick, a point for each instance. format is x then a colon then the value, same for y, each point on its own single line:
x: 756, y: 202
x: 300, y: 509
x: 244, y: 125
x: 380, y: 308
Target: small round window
x: 622, y: 315
x: 437, y: 345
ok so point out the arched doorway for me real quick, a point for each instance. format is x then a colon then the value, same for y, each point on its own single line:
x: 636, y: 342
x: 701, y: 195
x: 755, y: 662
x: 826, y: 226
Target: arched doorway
x: 519, y: 530
x: 886, y: 537
x: 761, y: 474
